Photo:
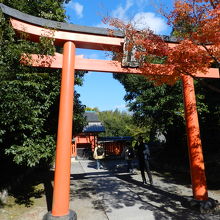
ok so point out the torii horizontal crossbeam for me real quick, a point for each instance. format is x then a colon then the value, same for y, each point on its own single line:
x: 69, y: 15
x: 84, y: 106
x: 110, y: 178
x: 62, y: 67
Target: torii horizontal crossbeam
x: 98, y: 65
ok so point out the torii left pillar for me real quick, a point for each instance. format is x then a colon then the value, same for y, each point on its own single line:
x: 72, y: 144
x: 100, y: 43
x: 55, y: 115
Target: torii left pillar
x: 60, y: 207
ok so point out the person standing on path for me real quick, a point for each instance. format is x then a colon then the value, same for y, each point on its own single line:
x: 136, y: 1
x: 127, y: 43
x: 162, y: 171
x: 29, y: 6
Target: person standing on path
x: 99, y: 154
x: 128, y: 155
x: 143, y: 154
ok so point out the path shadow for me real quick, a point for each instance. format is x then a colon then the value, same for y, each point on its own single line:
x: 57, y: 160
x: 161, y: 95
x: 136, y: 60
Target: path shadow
x: 163, y: 194
x: 110, y: 190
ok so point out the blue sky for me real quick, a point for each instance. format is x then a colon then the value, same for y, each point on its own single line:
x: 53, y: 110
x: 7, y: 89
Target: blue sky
x: 100, y: 89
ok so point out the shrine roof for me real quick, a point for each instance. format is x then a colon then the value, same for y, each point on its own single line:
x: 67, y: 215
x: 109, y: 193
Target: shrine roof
x: 114, y: 139
x: 91, y: 116
x: 93, y: 129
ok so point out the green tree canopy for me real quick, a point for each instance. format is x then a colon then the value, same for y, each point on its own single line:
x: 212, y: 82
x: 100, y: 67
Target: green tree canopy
x: 161, y: 109
x: 120, y: 123
x: 29, y: 97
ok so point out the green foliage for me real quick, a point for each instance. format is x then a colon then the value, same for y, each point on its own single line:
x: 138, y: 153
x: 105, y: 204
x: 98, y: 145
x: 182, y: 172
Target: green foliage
x: 151, y: 104
x: 115, y: 122
x: 79, y: 119
x: 49, y: 9
x: 208, y: 103
x: 92, y: 109
x: 158, y: 108
x: 161, y: 109
x: 24, y: 111
x: 119, y: 123
x: 32, y: 151
x: 29, y: 97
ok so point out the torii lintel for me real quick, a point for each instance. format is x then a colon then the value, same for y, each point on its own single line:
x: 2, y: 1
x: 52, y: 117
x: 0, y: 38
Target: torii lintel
x: 82, y: 36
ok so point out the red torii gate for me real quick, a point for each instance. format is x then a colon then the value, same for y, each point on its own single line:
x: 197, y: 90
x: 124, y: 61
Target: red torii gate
x: 73, y: 36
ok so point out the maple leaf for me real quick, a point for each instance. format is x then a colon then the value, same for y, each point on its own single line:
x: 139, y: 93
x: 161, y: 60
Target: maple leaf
x: 196, y: 23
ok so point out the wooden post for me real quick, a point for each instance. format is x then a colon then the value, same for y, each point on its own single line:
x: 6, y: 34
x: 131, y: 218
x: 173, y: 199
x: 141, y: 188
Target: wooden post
x: 64, y: 136
x: 197, y: 166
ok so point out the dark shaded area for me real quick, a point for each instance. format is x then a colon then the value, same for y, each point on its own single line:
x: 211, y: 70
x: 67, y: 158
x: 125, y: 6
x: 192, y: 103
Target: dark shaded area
x: 47, y: 181
x: 24, y: 192
x: 22, y: 183
x: 180, y: 173
x: 174, y: 162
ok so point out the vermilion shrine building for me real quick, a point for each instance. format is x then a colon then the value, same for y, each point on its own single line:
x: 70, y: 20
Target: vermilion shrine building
x: 85, y: 142
x: 71, y: 36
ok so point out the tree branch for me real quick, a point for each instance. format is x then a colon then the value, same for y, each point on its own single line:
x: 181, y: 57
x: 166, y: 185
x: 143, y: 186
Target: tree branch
x: 211, y: 55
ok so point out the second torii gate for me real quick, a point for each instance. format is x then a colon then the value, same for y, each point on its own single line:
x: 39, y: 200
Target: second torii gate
x: 73, y: 36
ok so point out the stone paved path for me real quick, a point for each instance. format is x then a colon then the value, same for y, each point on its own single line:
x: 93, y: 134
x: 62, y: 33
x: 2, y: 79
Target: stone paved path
x: 100, y: 194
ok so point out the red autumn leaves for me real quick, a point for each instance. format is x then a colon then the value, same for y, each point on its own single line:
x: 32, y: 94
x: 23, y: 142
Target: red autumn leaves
x: 196, y: 25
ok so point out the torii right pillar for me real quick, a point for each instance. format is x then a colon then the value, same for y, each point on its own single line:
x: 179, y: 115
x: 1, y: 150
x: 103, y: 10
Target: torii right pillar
x: 197, y: 167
